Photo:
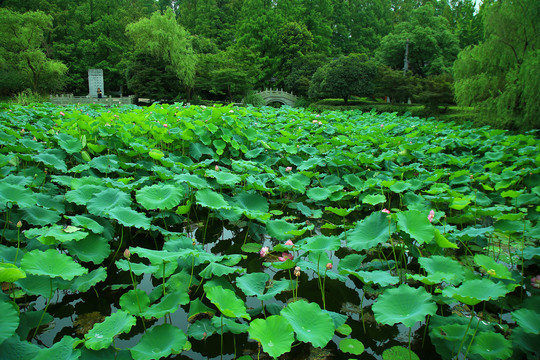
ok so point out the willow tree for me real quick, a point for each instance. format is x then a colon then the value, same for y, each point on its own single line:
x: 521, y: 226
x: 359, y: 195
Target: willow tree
x: 162, y: 37
x: 500, y: 75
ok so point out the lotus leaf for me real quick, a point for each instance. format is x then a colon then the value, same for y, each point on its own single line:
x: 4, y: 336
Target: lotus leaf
x: 53, y: 158
x: 160, y: 341
x: 494, y: 269
x: 197, y: 308
x: 36, y: 215
x: 471, y: 292
x: 160, y: 196
x: 70, y: 144
x: 224, y: 177
x: 168, y: 305
x: 318, y: 194
x: 10, y: 273
x: 404, y: 304
x: 16, y: 194
x: 211, y: 199
x: 379, y: 277
x: 528, y: 319
x: 10, y: 320
x: 370, y: 232
x: 227, y: 302
x: 51, y: 263
x: 229, y: 325
x: 417, y: 225
x: 399, y: 353
x: 274, y: 333
x: 93, y: 248
x: 492, y: 346
x: 351, y: 346
x: 201, y: 329
x: 101, y: 203
x: 280, y: 229
x: 102, y: 334
x: 30, y: 319
x: 136, y: 268
x: 309, y: 322
x: 86, y: 223
x: 14, y: 348
x: 374, y: 199
x: 253, y: 284
x: 63, y: 349
x: 193, y: 181
x: 215, y: 269
x: 84, y: 282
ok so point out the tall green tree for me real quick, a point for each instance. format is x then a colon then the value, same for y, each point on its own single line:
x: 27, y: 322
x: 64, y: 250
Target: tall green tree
x: 343, y: 77
x: 433, y: 47
x: 23, y: 52
x: 162, y: 37
x: 500, y: 75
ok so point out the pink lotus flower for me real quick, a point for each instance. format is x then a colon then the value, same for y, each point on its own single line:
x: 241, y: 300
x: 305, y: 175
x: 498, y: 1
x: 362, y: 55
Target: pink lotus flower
x: 431, y: 215
x: 284, y: 256
x: 289, y: 243
x: 382, y: 125
x: 386, y: 211
x: 288, y: 168
x: 314, y: 121
x: 61, y: 113
x: 264, y: 251
x: 165, y: 125
x: 217, y: 168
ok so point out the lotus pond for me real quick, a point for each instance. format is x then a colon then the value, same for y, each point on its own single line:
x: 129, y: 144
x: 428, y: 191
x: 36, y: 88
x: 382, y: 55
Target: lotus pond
x: 189, y: 232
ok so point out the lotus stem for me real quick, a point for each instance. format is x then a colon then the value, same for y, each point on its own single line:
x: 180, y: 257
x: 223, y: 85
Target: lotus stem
x: 466, y: 331
x: 221, y: 341
x: 410, y: 355
x: 19, y: 224
x: 362, y: 310
x: 163, y: 277
x: 44, y: 310
x: 425, y: 330
x: 323, y: 286
x: 119, y: 246
x: 475, y: 331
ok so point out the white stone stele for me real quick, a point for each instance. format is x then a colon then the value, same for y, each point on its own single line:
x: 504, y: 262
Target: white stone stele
x: 95, y: 81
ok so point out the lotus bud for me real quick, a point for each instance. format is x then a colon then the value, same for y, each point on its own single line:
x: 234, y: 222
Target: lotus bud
x: 491, y: 272
x: 329, y: 266
x: 386, y: 211
x: 19, y: 224
x: 217, y: 168
x: 127, y: 254
x: 288, y: 168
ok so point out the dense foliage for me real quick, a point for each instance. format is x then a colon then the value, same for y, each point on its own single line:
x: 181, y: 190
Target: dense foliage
x: 143, y: 233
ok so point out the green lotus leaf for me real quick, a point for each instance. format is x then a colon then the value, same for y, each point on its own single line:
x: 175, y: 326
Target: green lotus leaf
x: 197, y: 150
x: 370, y: 232
x: 102, y: 334
x: 280, y: 229
x: 39, y: 284
x: 16, y: 194
x: 442, y: 268
x: 137, y: 268
x: 444, y: 242
x: 492, y: 346
x: 135, y: 302
x: 51, y: 263
x: 471, y: 292
x: 528, y: 319
x: 55, y: 234
x: 228, y: 325
x: 417, y: 225
x: 70, y: 144
x: 227, y: 302
x: 105, y: 163
x: 400, y: 186
x: 310, y: 323
x: 295, y: 182
x: 351, y: 346
x: 379, y: 277
x: 274, y: 333
x: 83, y: 193
x: 101, y: 203
x: 321, y: 243
x: 201, y: 329
x: 493, y: 268
x: 344, y: 330
x: 10, y: 273
x: 86, y: 223
x: 84, y: 282
x: 215, y: 269
x: 156, y: 154
x: 160, y: 196
x: 339, y: 211
x: 63, y: 349
x: 14, y: 348
x: 253, y: 284
x: 93, y: 248
x: 251, y: 248
x: 318, y: 193
x: 53, y: 158
x: 405, y: 305
x: 197, y: 308
x: 253, y: 205
x: 129, y: 217
x: 193, y: 181
x: 224, y: 177
x: 211, y: 199
x: 10, y: 320
x: 36, y: 215
x: 30, y: 319
x: 399, y: 353
x: 168, y: 305
x: 351, y: 262
x: 374, y: 199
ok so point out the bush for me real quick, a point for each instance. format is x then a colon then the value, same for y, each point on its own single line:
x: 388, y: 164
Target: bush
x: 27, y: 97
x: 252, y: 98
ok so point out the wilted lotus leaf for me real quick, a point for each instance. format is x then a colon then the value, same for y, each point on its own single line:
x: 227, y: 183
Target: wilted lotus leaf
x: 10, y: 320
x: 51, y: 263
x: 274, y: 333
x: 102, y: 334
x: 227, y: 302
x: 404, y: 304
x: 310, y: 323
x: 160, y: 196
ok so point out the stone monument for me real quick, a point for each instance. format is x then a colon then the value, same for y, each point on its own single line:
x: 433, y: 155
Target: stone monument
x: 95, y: 81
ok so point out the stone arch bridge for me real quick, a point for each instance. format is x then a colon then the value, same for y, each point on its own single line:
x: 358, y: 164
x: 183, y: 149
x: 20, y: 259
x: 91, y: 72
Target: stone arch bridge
x: 280, y: 96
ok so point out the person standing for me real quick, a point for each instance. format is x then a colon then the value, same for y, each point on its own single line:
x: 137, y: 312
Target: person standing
x: 99, y: 93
